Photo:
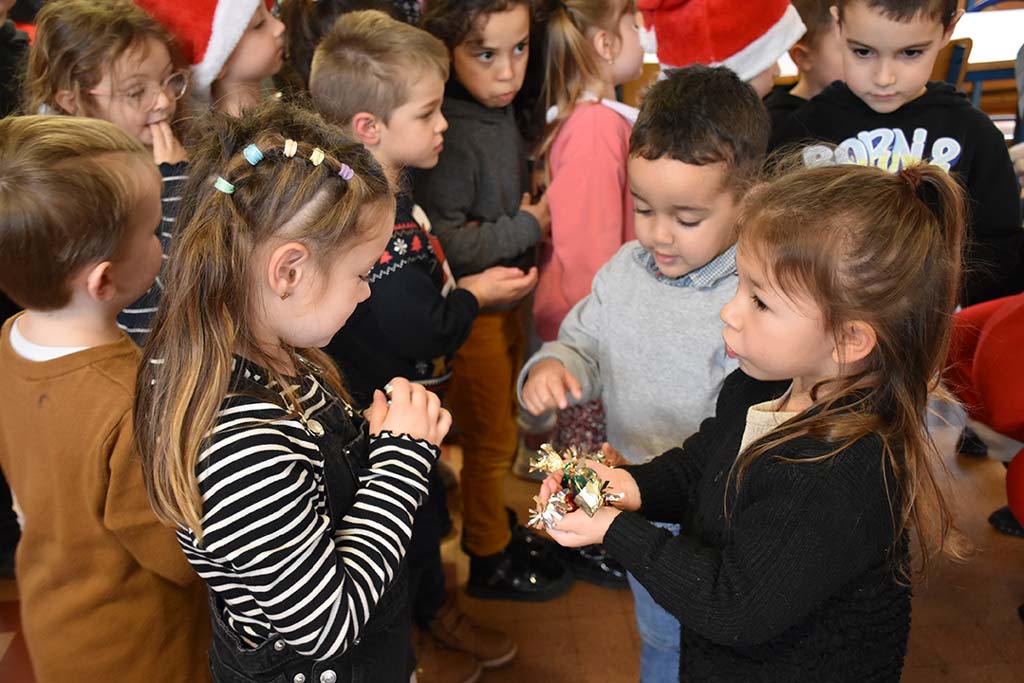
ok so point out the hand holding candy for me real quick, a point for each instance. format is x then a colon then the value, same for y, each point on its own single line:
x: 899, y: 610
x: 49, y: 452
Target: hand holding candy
x: 577, y: 529
x: 576, y: 483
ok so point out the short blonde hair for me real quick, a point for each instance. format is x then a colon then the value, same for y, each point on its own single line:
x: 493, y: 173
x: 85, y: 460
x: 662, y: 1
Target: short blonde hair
x: 367, y: 62
x: 65, y: 202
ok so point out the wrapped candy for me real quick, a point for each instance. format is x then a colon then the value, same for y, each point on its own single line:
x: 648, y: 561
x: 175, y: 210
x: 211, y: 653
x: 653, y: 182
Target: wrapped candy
x: 582, y: 487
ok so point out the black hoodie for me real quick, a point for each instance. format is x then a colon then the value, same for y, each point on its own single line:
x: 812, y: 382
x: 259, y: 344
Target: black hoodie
x: 943, y: 127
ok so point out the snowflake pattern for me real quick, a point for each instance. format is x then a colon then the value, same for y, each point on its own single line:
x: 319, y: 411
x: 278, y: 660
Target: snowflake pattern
x: 400, y: 246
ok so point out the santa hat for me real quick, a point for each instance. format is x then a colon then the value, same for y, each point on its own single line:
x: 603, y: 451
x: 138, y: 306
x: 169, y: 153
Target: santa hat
x: 205, y: 31
x: 747, y: 37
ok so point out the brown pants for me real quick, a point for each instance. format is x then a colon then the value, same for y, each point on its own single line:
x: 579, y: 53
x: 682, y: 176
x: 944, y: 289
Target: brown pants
x: 482, y: 400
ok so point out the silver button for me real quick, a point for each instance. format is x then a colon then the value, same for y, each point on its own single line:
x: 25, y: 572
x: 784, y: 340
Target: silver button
x: 279, y: 645
x: 328, y: 677
x: 300, y: 678
x: 315, y: 427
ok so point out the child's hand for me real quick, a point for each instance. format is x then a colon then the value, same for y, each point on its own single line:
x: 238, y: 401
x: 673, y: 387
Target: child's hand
x: 546, y: 387
x: 499, y: 285
x: 413, y: 410
x: 1017, y: 157
x: 612, y: 457
x: 166, y: 148
x: 577, y: 529
x: 540, y: 211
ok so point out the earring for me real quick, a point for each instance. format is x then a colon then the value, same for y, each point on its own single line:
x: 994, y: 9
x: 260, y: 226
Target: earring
x: 285, y: 295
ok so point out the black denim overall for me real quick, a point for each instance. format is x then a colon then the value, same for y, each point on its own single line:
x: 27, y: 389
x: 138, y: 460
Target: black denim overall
x: 382, y: 652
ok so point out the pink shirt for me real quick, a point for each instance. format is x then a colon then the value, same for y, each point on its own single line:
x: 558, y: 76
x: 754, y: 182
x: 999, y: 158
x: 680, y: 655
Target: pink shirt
x: 591, y: 208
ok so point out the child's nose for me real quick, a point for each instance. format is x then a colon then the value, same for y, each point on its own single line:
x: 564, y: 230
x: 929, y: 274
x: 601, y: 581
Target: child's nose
x: 885, y: 76
x: 443, y: 125
x: 729, y: 311
x: 506, y: 72
x: 278, y: 27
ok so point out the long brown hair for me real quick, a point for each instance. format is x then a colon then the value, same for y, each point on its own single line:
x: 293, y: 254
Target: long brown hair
x: 570, y: 60
x: 884, y: 249
x: 203, y: 320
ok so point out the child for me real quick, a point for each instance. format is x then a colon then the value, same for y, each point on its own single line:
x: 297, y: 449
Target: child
x: 747, y: 37
x: 698, y: 145
x: 887, y: 114
x: 591, y: 49
x: 106, y: 594
x: 294, y: 509
x: 818, y: 59
x: 475, y: 201
x: 794, y: 563
x: 384, y: 80
x: 232, y: 46
x: 13, y: 49
x: 109, y: 60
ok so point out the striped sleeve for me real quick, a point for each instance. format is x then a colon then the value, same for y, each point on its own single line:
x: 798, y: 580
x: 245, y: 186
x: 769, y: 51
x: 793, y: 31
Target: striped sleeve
x: 269, y: 548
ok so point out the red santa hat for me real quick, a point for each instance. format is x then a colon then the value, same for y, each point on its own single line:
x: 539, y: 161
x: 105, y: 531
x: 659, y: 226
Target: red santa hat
x: 206, y: 33
x: 747, y: 37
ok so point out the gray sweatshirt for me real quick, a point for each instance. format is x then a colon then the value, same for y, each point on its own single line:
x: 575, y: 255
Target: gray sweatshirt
x: 650, y: 347
x: 472, y: 196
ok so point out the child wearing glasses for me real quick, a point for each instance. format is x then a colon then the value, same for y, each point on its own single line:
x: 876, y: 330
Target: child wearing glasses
x: 108, y: 59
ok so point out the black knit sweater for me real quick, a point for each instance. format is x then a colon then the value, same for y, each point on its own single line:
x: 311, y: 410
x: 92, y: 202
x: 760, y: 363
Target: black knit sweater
x: 799, y: 585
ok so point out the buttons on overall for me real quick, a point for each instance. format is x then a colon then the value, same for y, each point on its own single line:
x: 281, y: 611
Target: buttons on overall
x: 299, y: 678
x: 328, y: 677
x: 315, y: 427
x: 279, y: 646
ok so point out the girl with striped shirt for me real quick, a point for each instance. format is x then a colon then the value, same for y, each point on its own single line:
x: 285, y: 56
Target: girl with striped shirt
x: 295, y: 509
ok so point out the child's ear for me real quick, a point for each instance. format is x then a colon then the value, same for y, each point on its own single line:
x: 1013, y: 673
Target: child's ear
x: 287, y: 267
x: 857, y: 341
x: 68, y: 102
x: 802, y: 57
x: 948, y: 33
x: 98, y: 282
x: 367, y: 128
x: 604, y: 42
x: 834, y: 11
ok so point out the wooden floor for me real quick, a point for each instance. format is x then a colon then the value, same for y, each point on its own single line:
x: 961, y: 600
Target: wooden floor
x: 965, y: 623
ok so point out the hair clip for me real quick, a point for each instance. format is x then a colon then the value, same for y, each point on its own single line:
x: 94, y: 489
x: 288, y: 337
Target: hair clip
x: 252, y: 154
x: 290, y: 148
x: 346, y: 172
x: 223, y: 185
x: 316, y: 157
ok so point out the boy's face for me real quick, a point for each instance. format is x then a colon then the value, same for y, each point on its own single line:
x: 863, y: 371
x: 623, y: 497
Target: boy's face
x: 491, y: 65
x: 137, y: 263
x: 414, y: 134
x: 260, y: 51
x: 124, y: 96
x: 685, y: 214
x: 887, y: 63
x: 762, y: 83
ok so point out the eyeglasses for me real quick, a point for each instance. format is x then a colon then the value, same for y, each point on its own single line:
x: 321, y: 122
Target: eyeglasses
x: 143, y: 96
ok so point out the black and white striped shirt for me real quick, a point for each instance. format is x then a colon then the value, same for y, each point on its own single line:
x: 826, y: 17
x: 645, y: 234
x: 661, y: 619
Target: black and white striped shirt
x: 270, y: 550
x: 137, y: 318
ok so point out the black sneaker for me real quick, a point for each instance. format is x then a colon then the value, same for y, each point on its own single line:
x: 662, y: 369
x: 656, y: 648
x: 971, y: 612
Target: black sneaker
x: 1003, y: 521
x: 593, y: 564
x: 513, y: 575
x: 970, y: 444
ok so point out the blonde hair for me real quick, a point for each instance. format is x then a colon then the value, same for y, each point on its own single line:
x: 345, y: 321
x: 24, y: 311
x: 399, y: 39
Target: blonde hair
x: 368, y: 62
x: 204, y: 318
x: 570, y: 59
x: 68, y: 187
x: 884, y: 249
x: 76, y: 41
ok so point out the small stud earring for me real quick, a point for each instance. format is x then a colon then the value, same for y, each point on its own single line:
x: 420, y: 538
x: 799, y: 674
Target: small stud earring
x: 285, y: 295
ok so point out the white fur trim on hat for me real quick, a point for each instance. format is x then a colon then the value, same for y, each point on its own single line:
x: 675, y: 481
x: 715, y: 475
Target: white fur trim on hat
x: 230, y: 20
x: 769, y: 47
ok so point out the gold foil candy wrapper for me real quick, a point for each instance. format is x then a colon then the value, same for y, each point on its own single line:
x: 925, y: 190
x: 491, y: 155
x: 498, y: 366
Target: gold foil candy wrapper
x: 584, y: 489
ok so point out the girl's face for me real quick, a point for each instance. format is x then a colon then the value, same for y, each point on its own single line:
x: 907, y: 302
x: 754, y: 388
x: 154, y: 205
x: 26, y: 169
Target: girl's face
x: 323, y: 302
x: 628, y: 63
x: 139, y: 90
x: 491, y: 65
x: 776, y: 335
x: 259, y: 53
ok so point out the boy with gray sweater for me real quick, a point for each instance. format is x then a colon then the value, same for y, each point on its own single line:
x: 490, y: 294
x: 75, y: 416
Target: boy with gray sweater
x: 647, y: 340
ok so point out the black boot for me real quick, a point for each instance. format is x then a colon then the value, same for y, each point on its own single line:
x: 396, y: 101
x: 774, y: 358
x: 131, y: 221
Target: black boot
x: 513, y: 575
x: 591, y: 563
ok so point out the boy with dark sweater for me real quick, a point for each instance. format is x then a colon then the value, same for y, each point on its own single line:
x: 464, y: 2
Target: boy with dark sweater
x: 818, y: 59
x: 384, y: 80
x: 887, y: 114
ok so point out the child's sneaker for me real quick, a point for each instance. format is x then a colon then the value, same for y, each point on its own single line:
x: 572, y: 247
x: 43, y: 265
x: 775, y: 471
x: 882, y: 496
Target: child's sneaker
x: 453, y: 629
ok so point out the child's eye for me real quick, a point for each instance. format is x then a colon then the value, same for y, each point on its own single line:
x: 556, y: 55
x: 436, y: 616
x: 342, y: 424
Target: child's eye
x: 259, y: 25
x: 485, y: 56
x: 688, y: 224
x: 135, y: 94
x: 862, y: 52
x: 520, y: 48
x: 641, y: 212
x: 912, y: 54
x: 760, y: 305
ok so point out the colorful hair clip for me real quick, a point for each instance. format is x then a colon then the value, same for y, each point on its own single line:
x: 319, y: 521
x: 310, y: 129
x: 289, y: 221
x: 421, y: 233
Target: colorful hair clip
x: 346, y: 172
x: 290, y: 148
x: 316, y: 157
x: 223, y: 185
x: 252, y: 154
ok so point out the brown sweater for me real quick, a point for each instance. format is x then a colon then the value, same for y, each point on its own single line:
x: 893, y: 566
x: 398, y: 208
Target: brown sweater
x: 106, y: 593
